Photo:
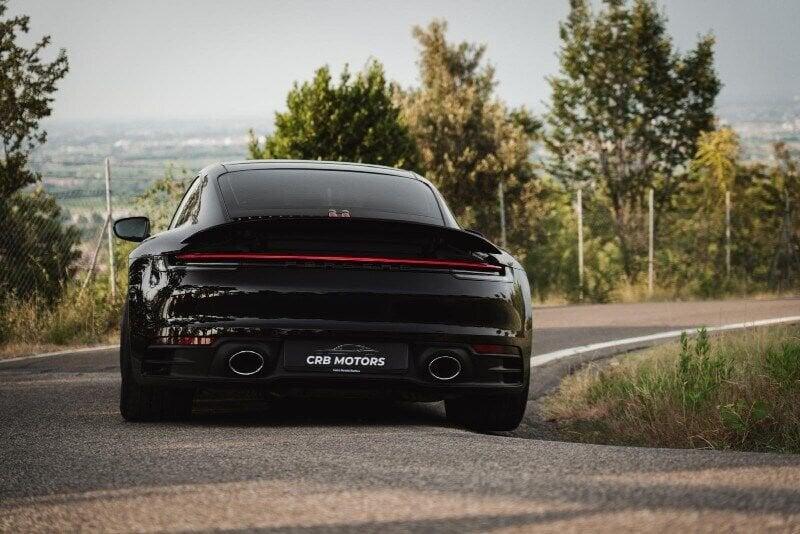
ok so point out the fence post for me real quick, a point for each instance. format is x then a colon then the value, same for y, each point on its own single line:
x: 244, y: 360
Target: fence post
x: 502, y: 214
x: 788, y: 227
x: 579, y: 209
x: 112, y: 276
x: 727, y: 233
x: 650, y: 267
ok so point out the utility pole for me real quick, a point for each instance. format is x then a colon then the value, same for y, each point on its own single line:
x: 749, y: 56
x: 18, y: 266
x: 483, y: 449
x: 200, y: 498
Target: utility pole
x: 650, y: 267
x: 728, y: 233
x: 502, y: 214
x: 579, y: 209
x: 95, y: 254
x: 112, y: 276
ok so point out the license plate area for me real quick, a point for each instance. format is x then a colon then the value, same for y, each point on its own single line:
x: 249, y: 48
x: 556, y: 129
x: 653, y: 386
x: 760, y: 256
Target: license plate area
x: 345, y: 357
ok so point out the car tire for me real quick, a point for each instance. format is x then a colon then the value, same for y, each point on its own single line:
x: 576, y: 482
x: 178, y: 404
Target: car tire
x: 147, y: 403
x: 487, y: 414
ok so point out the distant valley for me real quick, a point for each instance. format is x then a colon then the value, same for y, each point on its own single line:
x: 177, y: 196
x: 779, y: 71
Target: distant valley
x: 71, y: 162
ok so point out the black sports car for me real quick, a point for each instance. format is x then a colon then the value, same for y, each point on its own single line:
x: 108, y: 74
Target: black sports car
x: 301, y: 276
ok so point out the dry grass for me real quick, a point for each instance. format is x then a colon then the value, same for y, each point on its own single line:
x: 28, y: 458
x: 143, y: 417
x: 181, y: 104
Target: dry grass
x: 627, y: 293
x: 78, y: 319
x: 551, y: 300
x: 630, y: 293
x: 735, y: 391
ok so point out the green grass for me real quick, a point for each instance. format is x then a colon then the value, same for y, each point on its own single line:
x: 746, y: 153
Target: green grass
x: 735, y: 391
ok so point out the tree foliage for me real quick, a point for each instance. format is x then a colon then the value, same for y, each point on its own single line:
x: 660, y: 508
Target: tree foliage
x: 716, y: 158
x: 35, y: 236
x: 627, y: 109
x: 354, y: 120
x: 32, y: 231
x: 468, y: 140
x: 27, y: 85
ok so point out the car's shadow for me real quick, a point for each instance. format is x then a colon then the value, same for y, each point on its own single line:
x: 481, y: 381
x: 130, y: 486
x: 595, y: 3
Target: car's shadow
x: 221, y: 410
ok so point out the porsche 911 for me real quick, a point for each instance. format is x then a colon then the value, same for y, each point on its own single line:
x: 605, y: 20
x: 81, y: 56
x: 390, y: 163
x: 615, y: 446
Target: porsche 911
x: 304, y: 277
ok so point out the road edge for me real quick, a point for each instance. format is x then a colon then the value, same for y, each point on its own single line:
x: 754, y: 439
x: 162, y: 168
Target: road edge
x: 57, y: 353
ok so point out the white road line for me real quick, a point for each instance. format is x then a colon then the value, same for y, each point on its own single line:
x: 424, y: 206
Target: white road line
x: 58, y: 353
x: 542, y: 359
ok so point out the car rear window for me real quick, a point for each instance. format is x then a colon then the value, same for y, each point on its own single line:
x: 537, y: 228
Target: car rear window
x: 315, y: 192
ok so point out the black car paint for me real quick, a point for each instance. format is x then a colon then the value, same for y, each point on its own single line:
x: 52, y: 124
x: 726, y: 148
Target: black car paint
x: 260, y: 306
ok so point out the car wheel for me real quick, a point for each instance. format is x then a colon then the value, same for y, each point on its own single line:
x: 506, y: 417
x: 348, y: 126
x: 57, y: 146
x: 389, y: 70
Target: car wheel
x: 487, y: 414
x: 147, y: 403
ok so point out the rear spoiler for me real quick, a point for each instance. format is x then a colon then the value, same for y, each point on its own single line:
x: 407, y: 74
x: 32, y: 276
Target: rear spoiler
x: 341, y: 228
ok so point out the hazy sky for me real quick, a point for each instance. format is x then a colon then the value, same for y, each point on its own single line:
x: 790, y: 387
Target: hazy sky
x: 198, y: 58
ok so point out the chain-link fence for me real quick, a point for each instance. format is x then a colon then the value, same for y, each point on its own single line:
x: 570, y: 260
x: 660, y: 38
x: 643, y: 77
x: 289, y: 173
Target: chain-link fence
x: 54, y: 239
x: 743, y: 243
x: 87, y: 212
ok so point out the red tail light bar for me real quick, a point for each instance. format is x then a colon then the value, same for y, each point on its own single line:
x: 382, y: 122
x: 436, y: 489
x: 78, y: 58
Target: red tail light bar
x: 267, y: 257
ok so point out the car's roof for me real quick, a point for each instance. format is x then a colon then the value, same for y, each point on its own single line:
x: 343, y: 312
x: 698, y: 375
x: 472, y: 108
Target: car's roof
x: 217, y: 169
x: 268, y: 164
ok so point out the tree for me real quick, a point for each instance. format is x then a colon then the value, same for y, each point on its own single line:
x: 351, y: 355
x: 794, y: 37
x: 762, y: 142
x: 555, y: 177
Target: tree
x: 468, y: 140
x: 716, y: 158
x: 627, y: 110
x: 33, y: 237
x: 693, y: 231
x: 354, y: 120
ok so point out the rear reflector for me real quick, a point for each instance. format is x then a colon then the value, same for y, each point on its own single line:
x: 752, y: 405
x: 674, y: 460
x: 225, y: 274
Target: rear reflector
x: 267, y: 257
x: 495, y: 349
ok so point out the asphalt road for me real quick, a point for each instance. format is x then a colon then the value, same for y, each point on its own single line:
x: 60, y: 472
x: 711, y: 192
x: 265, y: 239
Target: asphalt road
x: 69, y: 462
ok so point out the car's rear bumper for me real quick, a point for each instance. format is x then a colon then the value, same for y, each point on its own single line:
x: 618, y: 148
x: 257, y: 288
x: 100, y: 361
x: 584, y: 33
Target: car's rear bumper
x: 207, y: 365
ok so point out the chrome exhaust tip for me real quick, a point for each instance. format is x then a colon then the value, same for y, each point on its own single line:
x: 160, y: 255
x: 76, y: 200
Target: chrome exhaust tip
x: 444, y: 367
x: 246, y: 362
